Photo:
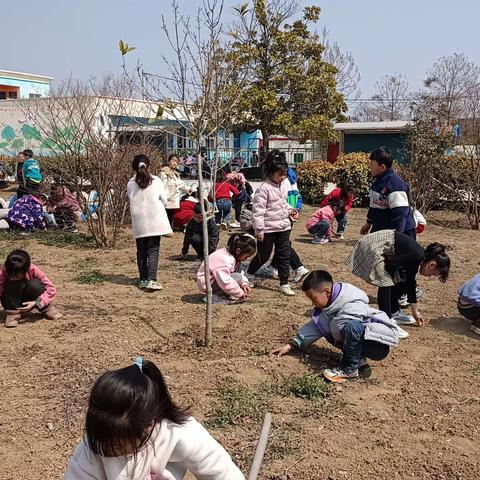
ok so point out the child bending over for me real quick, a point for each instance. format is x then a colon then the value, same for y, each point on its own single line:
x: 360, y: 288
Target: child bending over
x: 194, y: 237
x: 320, y: 224
x: 343, y: 316
x: 64, y: 206
x: 134, y: 430
x: 23, y: 287
x: 469, y: 302
x: 228, y: 284
x: 27, y: 213
x: 346, y: 192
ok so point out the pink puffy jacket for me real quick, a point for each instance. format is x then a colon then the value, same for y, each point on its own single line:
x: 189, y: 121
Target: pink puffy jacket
x: 324, y: 213
x: 271, y: 211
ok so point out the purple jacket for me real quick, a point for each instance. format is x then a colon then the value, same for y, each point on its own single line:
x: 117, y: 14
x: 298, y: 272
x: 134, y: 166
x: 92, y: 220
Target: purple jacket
x: 271, y: 211
x: 27, y: 214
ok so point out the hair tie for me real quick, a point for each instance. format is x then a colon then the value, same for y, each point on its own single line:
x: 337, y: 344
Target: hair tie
x: 139, y: 363
x: 142, y: 164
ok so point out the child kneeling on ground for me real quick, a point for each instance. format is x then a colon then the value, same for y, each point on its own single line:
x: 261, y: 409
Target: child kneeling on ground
x: 320, y: 224
x: 228, y: 284
x: 23, y: 287
x: 194, y: 234
x: 134, y: 430
x: 343, y: 316
x: 469, y: 302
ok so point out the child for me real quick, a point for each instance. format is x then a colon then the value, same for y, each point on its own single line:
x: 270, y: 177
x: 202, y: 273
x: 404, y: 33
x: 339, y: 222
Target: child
x: 194, y: 237
x: 346, y: 193
x: 343, y: 316
x: 389, y: 198
x: 320, y: 224
x: 469, y: 302
x: 23, y: 287
x: 174, y: 186
x: 185, y: 213
x: 272, y: 215
x: 147, y: 197
x: 27, y: 213
x: 246, y: 224
x: 228, y: 285
x: 64, y: 206
x: 31, y: 176
x: 224, y: 192
x: 134, y: 430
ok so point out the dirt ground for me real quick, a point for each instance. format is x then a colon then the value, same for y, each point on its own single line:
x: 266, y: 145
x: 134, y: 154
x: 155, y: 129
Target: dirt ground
x: 416, y: 418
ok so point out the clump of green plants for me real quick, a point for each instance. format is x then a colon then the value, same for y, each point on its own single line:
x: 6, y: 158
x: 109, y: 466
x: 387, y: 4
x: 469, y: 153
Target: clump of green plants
x: 235, y: 403
x: 64, y: 239
x: 91, y: 277
x: 309, y: 386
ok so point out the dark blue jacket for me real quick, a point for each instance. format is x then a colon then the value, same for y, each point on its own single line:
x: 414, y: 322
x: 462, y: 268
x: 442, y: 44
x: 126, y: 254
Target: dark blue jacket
x: 390, y: 204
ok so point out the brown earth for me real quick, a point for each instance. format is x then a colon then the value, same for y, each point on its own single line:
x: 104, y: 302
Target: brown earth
x: 416, y: 418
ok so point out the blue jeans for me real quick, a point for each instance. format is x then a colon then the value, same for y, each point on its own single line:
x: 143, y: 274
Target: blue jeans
x: 355, y: 347
x: 224, y: 206
x: 342, y: 222
x: 320, y: 229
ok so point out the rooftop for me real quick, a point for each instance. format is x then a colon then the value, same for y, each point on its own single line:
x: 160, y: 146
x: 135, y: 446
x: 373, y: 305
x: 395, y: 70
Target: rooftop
x: 25, y: 76
x: 398, y: 126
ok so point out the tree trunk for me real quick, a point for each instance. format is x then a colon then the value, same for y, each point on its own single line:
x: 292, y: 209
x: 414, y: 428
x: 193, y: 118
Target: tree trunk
x: 266, y: 142
x: 208, y: 285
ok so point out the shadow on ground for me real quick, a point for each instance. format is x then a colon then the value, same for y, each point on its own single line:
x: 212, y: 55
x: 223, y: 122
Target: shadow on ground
x: 455, y: 326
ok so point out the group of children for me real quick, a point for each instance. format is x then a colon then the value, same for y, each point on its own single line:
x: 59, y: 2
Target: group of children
x: 133, y: 429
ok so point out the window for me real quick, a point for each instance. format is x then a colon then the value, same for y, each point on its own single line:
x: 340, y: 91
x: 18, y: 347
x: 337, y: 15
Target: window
x: 34, y: 95
x: 3, y: 95
x: 12, y: 95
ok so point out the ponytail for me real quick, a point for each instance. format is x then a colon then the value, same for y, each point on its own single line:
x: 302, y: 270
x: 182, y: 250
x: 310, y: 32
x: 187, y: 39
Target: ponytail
x: 275, y: 161
x: 436, y: 252
x: 243, y: 242
x: 140, y: 164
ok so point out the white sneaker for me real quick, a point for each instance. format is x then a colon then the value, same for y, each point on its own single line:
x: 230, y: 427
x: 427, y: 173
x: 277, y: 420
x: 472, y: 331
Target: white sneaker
x: 268, y: 271
x: 402, y: 318
x: 402, y: 333
x: 235, y: 225
x: 299, y: 273
x: 287, y: 290
x: 403, y: 301
x: 320, y: 240
x: 475, y: 329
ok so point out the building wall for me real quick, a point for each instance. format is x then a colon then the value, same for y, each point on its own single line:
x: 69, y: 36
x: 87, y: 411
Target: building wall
x: 27, y: 87
x: 367, y: 142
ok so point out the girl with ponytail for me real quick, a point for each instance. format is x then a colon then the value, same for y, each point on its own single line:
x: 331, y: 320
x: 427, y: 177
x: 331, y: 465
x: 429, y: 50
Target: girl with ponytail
x: 147, y: 197
x: 134, y: 431
x: 228, y: 284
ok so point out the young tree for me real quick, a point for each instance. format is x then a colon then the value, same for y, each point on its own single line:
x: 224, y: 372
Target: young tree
x: 78, y: 130
x: 391, y: 97
x: 291, y: 88
x: 200, y: 93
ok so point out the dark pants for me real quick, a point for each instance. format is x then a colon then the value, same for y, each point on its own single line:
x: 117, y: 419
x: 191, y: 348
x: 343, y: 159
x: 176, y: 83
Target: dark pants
x: 196, y: 241
x: 470, y: 312
x: 65, y: 218
x: 224, y: 207
x: 342, y: 222
x: 388, y: 298
x: 411, y: 233
x: 15, y: 293
x: 355, y: 347
x: 148, y: 249
x: 281, y: 242
x: 29, y: 188
x: 238, y: 203
x: 170, y: 213
x: 320, y: 229
x: 295, y: 261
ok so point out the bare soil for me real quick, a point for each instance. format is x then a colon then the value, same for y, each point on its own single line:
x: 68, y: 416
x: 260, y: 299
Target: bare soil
x: 416, y: 418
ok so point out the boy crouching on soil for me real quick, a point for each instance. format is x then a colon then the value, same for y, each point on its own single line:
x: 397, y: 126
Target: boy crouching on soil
x: 343, y: 316
x: 23, y: 287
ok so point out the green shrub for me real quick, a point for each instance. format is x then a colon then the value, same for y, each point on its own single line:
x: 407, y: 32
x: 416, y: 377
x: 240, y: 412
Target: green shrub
x: 314, y: 175
x: 309, y: 386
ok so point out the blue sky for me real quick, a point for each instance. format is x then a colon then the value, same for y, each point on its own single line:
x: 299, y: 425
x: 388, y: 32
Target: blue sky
x: 59, y: 37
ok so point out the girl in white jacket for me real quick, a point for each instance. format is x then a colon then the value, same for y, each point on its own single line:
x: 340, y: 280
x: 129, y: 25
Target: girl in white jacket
x: 147, y: 197
x: 134, y: 431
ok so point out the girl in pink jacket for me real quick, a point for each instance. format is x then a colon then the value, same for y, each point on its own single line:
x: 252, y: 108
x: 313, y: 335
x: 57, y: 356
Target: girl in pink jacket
x: 228, y: 284
x: 320, y: 224
x: 23, y: 287
x: 271, y: 215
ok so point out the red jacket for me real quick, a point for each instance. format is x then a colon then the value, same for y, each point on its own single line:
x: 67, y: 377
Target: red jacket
x: 224, y: 189
x: 336, y: 193
x: 185, y: 214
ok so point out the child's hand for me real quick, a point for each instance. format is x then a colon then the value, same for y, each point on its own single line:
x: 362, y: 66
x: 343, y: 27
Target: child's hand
x: 294, y: 215
x: 27, y: 306
x: 417, y: 315
x: 280, y: 351
x: 365, y: 229
x: 246, y: 289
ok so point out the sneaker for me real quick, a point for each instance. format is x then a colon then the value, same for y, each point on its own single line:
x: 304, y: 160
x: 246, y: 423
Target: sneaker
x: 252, y: 279
x: 364, y: 369
x: 402, y: 334
x: 402, y: 318
x: 268, y: 271
x: 299, y: 273
x: 320, y: 240
x: 473, y: 328
x: 153, y: 285
x: 142, y: 284
x: 419, y: 293
x: 340, y: 236
x: 337, y: 375
x: 235, y: 225
x: 403, y: 301
x: 287, y: 290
